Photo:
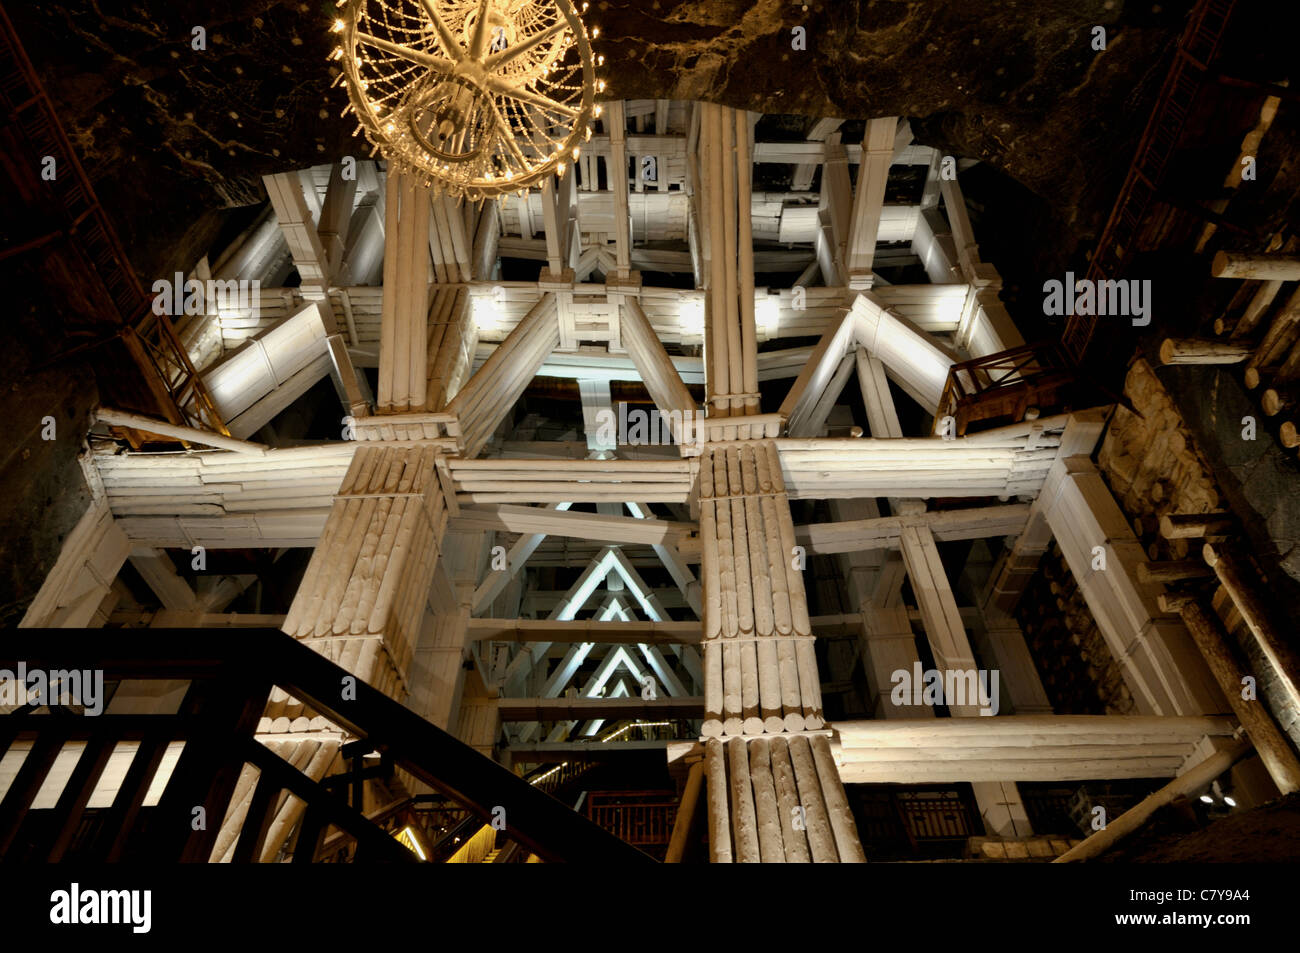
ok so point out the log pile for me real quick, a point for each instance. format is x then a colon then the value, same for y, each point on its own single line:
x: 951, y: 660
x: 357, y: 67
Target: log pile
x: 1074, y: 661
x: 1165, y: 487
x: 1153, y: 466
x: 1269, y: 329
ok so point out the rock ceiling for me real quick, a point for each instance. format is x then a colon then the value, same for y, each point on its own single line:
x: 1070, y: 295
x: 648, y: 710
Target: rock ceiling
x: 170, y: 135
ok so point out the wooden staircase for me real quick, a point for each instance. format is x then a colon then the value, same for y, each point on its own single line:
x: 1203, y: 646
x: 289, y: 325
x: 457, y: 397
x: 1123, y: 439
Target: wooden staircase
x: 229, y: 681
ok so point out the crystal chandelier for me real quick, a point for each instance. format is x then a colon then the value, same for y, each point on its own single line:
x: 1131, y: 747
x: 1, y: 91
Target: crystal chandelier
x: 474, y: 97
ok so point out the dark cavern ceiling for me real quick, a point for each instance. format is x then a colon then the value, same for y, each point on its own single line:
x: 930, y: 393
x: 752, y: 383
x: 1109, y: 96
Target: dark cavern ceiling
x: 169, y: 133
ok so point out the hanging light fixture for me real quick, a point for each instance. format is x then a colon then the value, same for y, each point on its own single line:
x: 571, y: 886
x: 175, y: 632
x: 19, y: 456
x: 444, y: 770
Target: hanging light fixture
x: 473, y: 97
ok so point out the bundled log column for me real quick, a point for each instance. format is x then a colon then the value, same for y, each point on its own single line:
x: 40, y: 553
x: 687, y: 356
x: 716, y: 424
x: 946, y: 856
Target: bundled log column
x: 774, y: 791
x: 730, y: 332
x: 363, y: 598
x: 403, y: 339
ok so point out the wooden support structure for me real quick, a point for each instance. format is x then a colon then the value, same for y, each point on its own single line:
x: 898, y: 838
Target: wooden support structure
x: 404, y: 515
x: 1277, y: 649
x: 1186, y: 783
x: 1207, y: 631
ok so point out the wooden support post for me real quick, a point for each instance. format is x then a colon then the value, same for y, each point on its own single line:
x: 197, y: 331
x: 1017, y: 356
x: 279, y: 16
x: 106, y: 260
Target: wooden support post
x: 1276, y: 648
x: 719, y: 814
x: 1207, y: 631
x: 1186, y: 783
x: 685, y: 819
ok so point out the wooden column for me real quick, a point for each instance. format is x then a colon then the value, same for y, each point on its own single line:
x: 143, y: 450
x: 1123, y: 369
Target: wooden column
x: 1276, y: 647
x: 1270, y: 744
x: 363, y: 598
x: 1186, y: 783
x: 761, y: 685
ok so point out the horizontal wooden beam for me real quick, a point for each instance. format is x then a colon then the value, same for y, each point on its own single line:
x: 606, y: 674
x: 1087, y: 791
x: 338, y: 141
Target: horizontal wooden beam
x: 883, y: 532
x: 582, y: 709
x: 611, y: 633
x: 1030, y: 730
x: 570, y: 523
x: 161, y: 428
x: 1020, y: 748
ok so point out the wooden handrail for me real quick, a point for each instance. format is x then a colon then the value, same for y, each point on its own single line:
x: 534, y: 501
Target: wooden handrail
x: 230, y: 682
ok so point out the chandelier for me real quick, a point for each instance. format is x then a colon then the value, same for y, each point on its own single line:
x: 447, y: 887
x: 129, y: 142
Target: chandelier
x: 473, y: 97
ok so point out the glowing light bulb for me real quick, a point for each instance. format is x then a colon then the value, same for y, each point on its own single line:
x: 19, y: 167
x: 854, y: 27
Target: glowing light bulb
x: 337, y: 27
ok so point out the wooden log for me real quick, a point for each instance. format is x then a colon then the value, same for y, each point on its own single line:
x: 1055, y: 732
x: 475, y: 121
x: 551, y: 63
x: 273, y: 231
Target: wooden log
x: 1196, y: 525
x: 685, y: 819
x: 843, y: 826
x: 1208, y: 634
x: 719, y: 813
x: 1136, y: 816
x: 1173, y: 571
x: 735, y: 356
x: 1275, y: 646
x: 1281, y: 335
x: 1249, y: 319
x: 745, y: 242
x: 821, y: 839
x: 753, y: 723
x: 787, y: 796
x: 161, y: 428
x: 766, y: 806
x: 719, y: 381
x: 1202, y: 351
x: 744, y: 820
x: 1274, y: 400
x: 1232, y: 264
x: 769, y: 673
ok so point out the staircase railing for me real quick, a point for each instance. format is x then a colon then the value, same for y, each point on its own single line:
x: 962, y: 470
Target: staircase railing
x: 230, y: 680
